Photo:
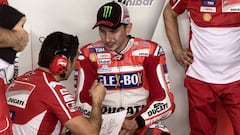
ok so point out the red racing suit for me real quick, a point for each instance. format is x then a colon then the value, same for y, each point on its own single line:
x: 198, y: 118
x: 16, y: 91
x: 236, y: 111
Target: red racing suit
x: 136, y: 80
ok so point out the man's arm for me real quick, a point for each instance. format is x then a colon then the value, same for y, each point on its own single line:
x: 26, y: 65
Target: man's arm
x: 16, y: 38
x: 183, y: 56
x: 161, y: 101
x: 90, y: 126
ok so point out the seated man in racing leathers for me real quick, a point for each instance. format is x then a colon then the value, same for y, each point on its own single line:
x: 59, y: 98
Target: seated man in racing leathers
x: 132, y: 69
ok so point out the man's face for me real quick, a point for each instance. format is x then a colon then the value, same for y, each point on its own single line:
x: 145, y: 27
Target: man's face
x: 114, y: 39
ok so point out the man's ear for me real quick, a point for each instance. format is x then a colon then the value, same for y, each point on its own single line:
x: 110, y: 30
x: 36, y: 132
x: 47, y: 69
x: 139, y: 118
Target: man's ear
x: 129, y: 28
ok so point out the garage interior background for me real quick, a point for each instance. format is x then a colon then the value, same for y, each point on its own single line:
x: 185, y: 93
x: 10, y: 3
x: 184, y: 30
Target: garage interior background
x: 78, y: 16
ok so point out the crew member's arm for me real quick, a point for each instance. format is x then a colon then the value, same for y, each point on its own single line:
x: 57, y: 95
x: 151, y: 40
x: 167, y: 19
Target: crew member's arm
x: 81, y: 125
x: 84, y: 74
x: 16, y: 38
x: 182, y: 56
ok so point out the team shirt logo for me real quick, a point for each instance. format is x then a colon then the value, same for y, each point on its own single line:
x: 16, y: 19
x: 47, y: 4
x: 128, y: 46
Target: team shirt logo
x: 19, y: 93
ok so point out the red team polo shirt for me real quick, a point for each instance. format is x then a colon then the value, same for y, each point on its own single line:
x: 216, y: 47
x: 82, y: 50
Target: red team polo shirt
x: 214, y: 24
x: 39, y: 104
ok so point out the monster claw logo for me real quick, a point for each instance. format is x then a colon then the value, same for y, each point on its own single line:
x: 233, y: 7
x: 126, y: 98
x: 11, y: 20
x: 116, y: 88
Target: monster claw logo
x: 107, y: 11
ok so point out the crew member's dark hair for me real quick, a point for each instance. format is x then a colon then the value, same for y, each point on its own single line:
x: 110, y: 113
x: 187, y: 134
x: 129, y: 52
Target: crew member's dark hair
x: 57, y: 43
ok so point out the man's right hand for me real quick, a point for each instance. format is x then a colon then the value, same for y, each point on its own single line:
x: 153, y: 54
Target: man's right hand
x: 97, y: 92
x: 20, y: 37
x: 183, y: 57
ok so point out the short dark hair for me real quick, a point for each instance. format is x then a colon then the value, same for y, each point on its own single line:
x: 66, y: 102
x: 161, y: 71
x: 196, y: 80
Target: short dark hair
x: 57, y: 43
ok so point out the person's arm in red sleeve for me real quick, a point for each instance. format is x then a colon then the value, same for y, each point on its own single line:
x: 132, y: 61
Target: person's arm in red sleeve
x: 84, y: 75
x: 161, y: 101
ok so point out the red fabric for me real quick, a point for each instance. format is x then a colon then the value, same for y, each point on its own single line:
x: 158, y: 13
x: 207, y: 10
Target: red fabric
x: 151, y: 131
x: 206, y: 112
x: 3, y: 2
x: 5, y: 123
x: 132, y: 73
x: 39, y: 96
x: 219, y: 19
x: 224, y: 126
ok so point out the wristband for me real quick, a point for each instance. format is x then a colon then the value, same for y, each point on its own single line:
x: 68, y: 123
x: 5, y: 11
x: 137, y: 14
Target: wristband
x: 140, y: 121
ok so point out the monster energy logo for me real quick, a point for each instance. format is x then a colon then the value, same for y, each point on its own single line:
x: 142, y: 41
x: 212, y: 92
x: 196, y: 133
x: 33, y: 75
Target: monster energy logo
x: 107, y: 11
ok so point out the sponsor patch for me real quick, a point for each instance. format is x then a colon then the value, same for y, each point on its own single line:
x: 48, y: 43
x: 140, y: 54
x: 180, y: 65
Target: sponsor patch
x: 104, y: 61
x: 207, y: 17
x: 96, y: 50
x: 103, y: 55
x: 130, y: 110
x: 141, y: 52
x: 92, y: 57
x: 118, y: 57
x: 158, y: 107
x: 209, y: 3
x: 72, y: 106
x: 127, y: 80
x: 208, y: 6
x: 64, y: 91
x: 81, y: 57
x: 68, y: 98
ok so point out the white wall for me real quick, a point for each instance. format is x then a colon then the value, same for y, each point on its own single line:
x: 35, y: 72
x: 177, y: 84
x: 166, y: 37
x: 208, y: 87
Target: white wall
x: 78, y: 16
x: 178, y: 123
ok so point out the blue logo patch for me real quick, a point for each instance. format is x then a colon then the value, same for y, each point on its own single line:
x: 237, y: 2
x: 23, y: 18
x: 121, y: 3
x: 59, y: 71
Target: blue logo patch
x: 209, y: 3
x: 96, y: 50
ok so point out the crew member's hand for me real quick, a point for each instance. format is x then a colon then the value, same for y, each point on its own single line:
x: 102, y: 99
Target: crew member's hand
x: 20, y: 38
x: 183, y: 57
x: 129, y: 127
x: 97, y: 92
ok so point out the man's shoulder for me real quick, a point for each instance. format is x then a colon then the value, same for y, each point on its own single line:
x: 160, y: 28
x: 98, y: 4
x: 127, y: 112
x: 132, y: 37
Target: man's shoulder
x: 145, y: 43
x: 142, y: 41
x: 92, y: 47
x: 96, y: 44
x: 152, y: 47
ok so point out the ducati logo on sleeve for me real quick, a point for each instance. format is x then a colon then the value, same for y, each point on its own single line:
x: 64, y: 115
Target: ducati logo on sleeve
x: 19, y: 93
